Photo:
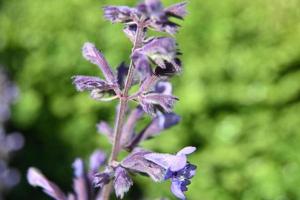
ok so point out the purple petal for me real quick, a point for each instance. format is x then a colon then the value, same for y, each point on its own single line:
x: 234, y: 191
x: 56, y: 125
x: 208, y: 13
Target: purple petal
x: 91, y: 53
x: 118, y: 13
x: 81, y: 188
x: 153, y: 6
x: 36, y: 178
x: 177, y: 10
x: 176, y: 189
x: 167, y: 161
x: 160, y: 123
x: 186, y: 151
x: 78, y: 167
x: 103, y: 178
x: 122, y: 182
x: 97, y: 159
x: 89, y: 83
x: 142, y: 65
x: 136, y: 162
x: 122, y: 73
x: 154, y: 101
x: 129, y: 126
x: 104, y: 128
x: 164, y: 87
x: 160, y: 47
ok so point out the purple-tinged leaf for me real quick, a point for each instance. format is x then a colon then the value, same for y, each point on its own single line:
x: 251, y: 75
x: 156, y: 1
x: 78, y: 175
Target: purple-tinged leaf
x: 122, y: 182
x: 36, y: 178
x: 136, y: 162
x: 91, y: 53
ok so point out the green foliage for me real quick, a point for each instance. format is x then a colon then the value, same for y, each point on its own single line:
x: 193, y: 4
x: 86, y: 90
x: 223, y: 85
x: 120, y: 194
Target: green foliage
x: 239, y: 93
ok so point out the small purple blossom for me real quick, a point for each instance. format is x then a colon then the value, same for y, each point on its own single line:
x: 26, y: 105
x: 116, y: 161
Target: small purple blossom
x: 177, y: 169
x: 162, y: 52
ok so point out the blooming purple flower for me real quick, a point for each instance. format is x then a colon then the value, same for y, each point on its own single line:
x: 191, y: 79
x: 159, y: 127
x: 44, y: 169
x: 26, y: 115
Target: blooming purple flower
x: 177, y: 169
x: 162, y: 51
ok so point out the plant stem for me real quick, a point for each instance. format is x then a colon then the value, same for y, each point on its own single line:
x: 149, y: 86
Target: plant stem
x: 121, y: 111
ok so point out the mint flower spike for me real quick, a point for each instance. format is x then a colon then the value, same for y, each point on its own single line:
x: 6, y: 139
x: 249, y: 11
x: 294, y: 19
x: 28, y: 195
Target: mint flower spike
x: 91, y: 53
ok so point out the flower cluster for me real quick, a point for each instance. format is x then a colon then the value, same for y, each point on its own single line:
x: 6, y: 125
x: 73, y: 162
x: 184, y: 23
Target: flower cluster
x: 9, y: 143
x: 153, y: 61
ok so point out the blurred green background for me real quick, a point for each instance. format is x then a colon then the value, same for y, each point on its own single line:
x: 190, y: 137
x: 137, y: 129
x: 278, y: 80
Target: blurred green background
x: 239, y: 94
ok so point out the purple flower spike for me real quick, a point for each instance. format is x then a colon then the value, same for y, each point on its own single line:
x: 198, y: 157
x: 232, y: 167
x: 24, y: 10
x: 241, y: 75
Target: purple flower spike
x: 36, y: 178
x: 91, y: 53
x: 153, y: 102
x: 119, y: 14
x: 177, y: 169
x: 122, y: 182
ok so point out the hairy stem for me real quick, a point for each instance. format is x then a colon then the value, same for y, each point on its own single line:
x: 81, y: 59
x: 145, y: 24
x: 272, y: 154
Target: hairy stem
x: 121, y: 111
